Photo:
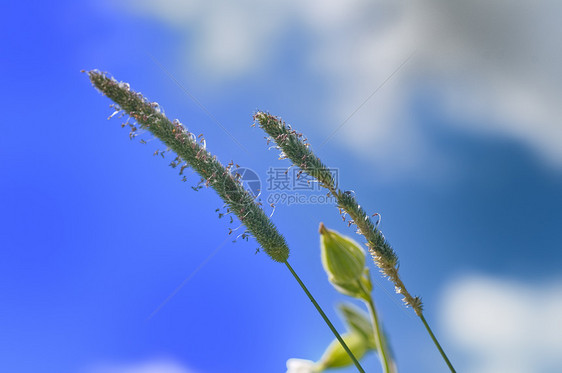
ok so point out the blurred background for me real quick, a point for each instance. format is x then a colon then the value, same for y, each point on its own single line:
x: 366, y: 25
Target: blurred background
x: 442, y: 117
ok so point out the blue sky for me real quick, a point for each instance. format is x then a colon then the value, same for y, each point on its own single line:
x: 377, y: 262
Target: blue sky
x: 458, y: 151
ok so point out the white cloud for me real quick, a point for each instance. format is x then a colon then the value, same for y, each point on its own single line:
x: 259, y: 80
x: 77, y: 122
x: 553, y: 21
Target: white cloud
x: 505, y: 326
x: 153, y: 366
x: 493, y: 66
x: 229, y: 39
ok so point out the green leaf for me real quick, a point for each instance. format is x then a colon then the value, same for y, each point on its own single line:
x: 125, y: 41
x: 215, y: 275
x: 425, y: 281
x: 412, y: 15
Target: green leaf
x: 358, y: 321
x: 335, y: 356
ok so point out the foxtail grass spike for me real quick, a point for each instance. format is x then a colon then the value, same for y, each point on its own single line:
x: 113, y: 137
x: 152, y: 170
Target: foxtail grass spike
x: 292, y: 145
x: 149, y: 116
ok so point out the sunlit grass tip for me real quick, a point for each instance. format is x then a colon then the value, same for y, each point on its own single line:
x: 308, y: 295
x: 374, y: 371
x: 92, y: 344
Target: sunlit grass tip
x: 193, y: 152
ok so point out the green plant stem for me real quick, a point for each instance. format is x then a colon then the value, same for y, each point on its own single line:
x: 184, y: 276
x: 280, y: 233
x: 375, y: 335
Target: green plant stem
x: 328, y: 322
x: 379, y: 339
x: 437, y: 343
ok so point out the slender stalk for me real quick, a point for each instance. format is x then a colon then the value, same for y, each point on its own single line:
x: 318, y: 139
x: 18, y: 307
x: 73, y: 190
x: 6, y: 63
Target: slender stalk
x: 377, y: 330
x: 328, y: 322
x: 437, y: 344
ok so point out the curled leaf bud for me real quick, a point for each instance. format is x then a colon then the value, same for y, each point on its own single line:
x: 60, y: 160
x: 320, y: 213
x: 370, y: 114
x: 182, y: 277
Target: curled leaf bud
x: 343, y: 260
